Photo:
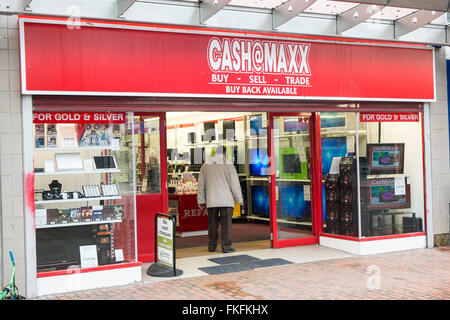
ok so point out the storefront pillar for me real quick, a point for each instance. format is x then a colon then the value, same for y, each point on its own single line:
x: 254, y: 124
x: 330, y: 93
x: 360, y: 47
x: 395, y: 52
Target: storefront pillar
x: 428, y: 179
x: 28, y: 191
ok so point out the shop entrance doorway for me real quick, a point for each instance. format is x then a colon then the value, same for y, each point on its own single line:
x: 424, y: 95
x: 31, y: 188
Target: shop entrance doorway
x: 291, y: 171
x: 149, y: 138
x: 273, y: 154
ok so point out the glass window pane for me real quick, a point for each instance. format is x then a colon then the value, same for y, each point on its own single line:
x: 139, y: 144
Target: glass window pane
x: 147, y: 143
x: 391, y: 169
x: 84, y: 193
x: 293, y: 184
x: 339, y: 176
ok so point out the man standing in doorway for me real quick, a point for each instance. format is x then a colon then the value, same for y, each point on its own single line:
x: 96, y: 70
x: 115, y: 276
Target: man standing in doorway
x: 219, y: 190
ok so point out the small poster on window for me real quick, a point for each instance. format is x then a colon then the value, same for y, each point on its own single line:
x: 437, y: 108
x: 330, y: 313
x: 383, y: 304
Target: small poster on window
x: 88, y: 256
x: 39, y: 135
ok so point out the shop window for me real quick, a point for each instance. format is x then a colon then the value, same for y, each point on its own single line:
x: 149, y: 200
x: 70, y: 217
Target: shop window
x: 292, y: 156
x: 390, y: 179
x: 339, y: 177
x: 84, y: 189
x: 391, y: 171
x: 147, y: 144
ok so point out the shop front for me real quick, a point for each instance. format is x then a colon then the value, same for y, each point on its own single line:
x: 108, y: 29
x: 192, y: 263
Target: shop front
x: 326, y: 137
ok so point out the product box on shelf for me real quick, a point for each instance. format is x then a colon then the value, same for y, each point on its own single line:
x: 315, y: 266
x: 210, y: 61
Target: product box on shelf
x: 64, y: 216
x: 52, y: 216
x: 97, y: 213
x: 75, y: 214
x: 108, y: 212
x: 40, y: 217
x: 118, y: 211
x: 86, y: 214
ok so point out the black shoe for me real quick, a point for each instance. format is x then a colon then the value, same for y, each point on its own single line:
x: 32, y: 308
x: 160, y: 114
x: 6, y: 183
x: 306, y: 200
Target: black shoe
x: 212, y: 250
x: 228, y: 250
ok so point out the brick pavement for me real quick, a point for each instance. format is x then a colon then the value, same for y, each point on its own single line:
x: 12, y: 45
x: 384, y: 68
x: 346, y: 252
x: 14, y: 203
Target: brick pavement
x: 416, y: 274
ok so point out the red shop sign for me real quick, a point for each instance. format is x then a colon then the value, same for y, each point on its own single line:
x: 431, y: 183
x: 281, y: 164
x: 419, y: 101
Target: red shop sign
x: 190, y: 62
x: 79, y: 117
x: 389, y: 117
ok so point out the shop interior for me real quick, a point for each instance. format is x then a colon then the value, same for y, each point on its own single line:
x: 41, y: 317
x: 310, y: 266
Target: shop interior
x: 110, y: 170
x: 191, y: 139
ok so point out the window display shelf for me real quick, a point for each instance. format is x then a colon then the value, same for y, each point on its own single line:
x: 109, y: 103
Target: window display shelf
x: 75, y: 148
x: 257, y: 179
x: 305, y: 223
x: 77, y: 200
x: 72, y: 224
x: 75, y: 172
x: 294, y: 180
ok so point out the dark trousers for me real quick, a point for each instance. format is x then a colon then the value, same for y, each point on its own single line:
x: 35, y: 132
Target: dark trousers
x: 226, y: 216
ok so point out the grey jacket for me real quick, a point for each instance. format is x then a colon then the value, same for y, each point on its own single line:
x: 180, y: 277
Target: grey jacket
x: 218, y: 184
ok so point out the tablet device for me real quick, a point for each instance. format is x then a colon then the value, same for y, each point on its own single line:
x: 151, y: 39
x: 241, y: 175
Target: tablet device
x: 104, y: 162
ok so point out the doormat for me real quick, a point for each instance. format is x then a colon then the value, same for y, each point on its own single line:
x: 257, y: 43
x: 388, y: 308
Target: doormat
x: 233, y: 259
x: 241, y: 263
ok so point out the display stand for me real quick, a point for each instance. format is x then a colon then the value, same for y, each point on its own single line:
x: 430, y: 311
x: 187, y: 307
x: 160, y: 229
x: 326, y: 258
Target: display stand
x: 165, y: 242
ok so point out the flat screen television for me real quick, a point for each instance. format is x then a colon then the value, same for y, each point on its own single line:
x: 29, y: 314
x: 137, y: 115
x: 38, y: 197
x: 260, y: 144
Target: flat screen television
x: 59, y: 248
x: 258, y: 162
x: 331, y: 121
x: 332, y: 147
x: 292, y: 202
x: 191, y: 137
x: 290, y: 164
x: 295, y: 124
x: 172, y: 153
x: 260, y: 200
x: 386, y: 158
x: 210, y: 131
x: 256, y: 124
x: 381, y: 195
x: 197, y: 155
x: 228, y: 130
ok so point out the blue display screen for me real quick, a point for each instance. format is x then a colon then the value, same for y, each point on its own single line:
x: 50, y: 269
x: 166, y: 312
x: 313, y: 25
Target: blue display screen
x: 255, y: 124
x: 258, y: 162
x: 331, y: 122
x: 332, y: 147
x: 292, y: 203
x: 260, y: 200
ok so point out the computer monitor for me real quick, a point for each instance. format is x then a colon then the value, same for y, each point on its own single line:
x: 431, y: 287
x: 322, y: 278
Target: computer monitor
x: 260, y: 200
x: 191, y: 137
x: 292, y: 202
x: 331, y: 148
x: 290, y: 164
x: 386, y: 158
x: 228, y: 130
x: 381, y: 194
x: 295, y: 124
x: 258, y: 162
x: 255, y: 124
x: 197, y: 156
x: 64, y: 251
x: 210, y: 131
x: 172, y: 153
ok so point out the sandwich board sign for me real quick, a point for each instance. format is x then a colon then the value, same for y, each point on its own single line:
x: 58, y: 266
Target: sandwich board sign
x: 164, y: 264
x: 165, y: 240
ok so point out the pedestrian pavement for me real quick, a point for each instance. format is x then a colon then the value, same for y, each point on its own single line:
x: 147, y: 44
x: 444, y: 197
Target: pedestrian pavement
x: 313, y: 273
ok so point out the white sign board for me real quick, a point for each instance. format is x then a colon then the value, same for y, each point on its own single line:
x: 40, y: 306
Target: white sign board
x: 88, y: 256
x: 165, y: 240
